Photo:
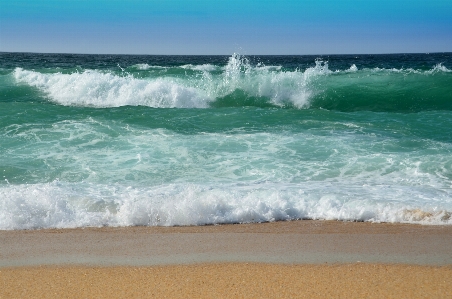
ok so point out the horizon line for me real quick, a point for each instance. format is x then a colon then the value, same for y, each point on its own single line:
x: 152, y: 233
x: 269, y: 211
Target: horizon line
x: 118, y: 54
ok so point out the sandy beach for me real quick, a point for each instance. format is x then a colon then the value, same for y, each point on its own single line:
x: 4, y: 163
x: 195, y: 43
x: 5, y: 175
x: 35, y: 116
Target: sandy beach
x: 312, y: 259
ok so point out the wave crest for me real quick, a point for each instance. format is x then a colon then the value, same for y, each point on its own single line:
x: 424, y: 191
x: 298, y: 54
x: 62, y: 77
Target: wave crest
x: 97, y: 89
x: 239, y: 83
x: 107, y: 89
x: 63, y: 205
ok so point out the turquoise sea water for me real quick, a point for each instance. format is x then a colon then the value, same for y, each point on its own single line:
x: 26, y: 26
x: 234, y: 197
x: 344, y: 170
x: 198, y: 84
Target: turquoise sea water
x: 104, y: 140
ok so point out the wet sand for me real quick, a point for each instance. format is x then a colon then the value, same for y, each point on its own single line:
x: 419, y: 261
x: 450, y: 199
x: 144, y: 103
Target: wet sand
x: 283, y: 259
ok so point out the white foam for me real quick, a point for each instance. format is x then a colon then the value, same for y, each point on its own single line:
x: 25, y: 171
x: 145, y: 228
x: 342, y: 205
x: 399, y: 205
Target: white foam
x: 142, y: 66
x: 438, y: 68
x: 202, y: 67
x: 281, y: 87
x: 106, y: 89
x: 158, y: 177
x: 64, y: 205
x: 353, y: 68
x: 145, y: 66
x: 98, y: 89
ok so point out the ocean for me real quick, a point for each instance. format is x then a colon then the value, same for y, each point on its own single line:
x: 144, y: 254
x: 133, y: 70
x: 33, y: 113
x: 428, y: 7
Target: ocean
x: 128, y: 140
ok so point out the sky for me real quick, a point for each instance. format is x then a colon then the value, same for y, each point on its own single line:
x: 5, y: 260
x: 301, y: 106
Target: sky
x: 203, y: 27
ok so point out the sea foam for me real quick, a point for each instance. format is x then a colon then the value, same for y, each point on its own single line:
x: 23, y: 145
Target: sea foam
x: 373, y: 145
x: 107, y: 89
x: 131, y: 176
x: 66, y: 205
x: 99, y: 89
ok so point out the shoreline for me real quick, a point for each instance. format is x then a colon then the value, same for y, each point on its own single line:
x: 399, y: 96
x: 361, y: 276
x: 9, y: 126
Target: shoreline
x: 287, y: 242
x: 306, y: 258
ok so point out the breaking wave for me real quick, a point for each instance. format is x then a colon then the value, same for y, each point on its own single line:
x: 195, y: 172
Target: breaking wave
x: 65, y: 205
x: 241, y: 84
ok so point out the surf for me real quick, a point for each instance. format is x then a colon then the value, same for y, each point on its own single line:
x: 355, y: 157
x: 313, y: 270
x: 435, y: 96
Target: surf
x: 89, y: 140
x: 241, y: 84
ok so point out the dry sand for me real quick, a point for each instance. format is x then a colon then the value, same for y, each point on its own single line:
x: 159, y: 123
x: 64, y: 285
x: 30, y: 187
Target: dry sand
x: 229, y: 280
x: 312, y: 259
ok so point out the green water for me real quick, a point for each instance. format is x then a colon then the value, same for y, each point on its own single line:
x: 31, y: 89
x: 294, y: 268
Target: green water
x: 92, y: 140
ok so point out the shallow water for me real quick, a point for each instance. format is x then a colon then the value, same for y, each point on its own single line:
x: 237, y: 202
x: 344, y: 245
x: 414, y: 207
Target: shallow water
x: 97, y: 140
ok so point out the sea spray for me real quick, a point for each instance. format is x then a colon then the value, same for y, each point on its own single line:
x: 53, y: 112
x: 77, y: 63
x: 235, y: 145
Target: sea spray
x: 92, y: 140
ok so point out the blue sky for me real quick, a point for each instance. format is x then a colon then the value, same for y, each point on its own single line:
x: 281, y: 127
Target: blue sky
x: 224, y: 27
